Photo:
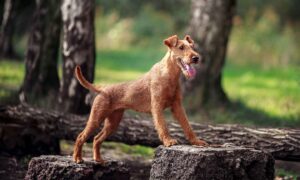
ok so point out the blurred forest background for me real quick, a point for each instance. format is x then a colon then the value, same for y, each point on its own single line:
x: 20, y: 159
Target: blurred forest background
x: 262, y: 71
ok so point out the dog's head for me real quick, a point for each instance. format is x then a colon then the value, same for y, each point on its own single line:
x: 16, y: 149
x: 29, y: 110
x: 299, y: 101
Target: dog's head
x: 183, y: 54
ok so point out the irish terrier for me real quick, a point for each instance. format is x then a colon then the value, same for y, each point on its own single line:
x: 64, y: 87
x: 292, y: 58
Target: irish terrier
x: 157, y: 90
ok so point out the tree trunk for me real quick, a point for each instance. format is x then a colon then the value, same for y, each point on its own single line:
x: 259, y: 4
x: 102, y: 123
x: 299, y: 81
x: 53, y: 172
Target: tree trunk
x: 78, y: 49
x: 210, y: 26
x: 191, y: 163
x: 41, y: 75
x: 1, y: 10
x: 7, y: 30
x: 15, y: 120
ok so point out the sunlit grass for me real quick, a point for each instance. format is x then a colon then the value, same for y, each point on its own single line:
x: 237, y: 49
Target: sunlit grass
x: 11, y: 76
x: 136, y: 150
x: 11, y: 73
x: 273, y: 91
x: 119, y: 66
x: 134, y: 59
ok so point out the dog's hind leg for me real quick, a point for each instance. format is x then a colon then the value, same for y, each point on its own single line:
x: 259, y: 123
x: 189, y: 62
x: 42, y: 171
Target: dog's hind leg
x: 110, y: 125
x: 98, y: 113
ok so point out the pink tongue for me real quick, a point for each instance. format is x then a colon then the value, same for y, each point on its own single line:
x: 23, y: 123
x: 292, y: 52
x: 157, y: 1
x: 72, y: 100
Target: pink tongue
x: 191, y: 70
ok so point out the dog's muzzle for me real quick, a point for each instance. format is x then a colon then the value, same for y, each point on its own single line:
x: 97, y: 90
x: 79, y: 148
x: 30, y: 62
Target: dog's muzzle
x: 188, y: 70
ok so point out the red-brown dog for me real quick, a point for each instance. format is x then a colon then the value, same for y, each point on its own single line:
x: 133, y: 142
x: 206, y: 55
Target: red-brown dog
x: 157, y: 90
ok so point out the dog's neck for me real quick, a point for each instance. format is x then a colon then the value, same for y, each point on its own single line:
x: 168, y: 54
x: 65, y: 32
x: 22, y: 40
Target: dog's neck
x: 169, y: 66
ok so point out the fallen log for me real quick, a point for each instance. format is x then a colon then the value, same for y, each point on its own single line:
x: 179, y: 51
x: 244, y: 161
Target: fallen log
x: 62, y: 167
x: 283, y: 144
x: 11, y: 168
x: 190, y: 162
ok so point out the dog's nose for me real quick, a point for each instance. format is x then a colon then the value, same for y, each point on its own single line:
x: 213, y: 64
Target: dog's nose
x: 195, y: 59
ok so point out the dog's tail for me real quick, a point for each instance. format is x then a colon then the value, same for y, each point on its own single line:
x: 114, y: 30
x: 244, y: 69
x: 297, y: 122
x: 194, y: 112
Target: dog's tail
x: 84, y: 82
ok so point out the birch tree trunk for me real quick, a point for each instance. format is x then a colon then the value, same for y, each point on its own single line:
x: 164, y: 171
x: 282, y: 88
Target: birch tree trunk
x: 41, y: 75
x: 7, y: 29
x: 78, y: 49
x: 210, y: 26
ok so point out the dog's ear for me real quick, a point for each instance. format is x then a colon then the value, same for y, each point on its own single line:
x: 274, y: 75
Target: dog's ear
x: 171, y: 41
x: 189, y: 39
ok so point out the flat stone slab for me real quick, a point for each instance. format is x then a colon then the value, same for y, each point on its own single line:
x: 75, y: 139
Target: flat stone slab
x: 228, y: 163
x: 63, y: 167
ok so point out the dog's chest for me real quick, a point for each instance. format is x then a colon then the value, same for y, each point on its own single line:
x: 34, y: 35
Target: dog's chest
x: 169, y: 95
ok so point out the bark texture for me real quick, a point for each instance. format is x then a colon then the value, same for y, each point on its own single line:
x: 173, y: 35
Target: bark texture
x: 11, y: 169
x: 7, y: 29
x: 62, y: 167
x: 78, y: 49
x: 41, y: 75
x: 188, y: 163
x: 45, y: 125
x: 210, y: 26
x: 20, y: 137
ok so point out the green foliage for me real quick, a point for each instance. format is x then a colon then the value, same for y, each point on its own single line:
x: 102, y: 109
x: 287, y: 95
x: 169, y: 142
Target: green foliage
x: 287, y: 10
x: 132, y: 8
x: 151, y: 23
x: 126, y: 8
x: 263, y: 42
x: 144, y: 29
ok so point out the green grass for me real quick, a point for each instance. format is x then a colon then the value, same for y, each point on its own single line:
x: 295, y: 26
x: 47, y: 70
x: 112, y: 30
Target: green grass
x: 11, y: 76
x: 135, y: 150
x: 11, y: 73
x: 117, y: 66
x: 262, y: 97
x: 283, y: 173
x: 276, y: 91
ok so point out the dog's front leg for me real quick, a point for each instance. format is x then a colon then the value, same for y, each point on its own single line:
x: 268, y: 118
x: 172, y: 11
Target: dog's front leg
x: 179, y: 114
x: 160, y: 125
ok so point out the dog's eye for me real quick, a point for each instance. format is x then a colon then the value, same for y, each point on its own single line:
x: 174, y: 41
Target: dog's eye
x: 181, y: 47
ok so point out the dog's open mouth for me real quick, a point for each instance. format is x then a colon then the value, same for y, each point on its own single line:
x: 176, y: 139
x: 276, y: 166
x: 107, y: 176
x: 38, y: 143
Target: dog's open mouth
x: 188, y: 70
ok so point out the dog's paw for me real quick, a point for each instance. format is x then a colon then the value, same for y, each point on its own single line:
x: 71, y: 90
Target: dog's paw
x: 170, y: 142
x: 100, y: 161
x: 78, y: 160
x: 199, y: 142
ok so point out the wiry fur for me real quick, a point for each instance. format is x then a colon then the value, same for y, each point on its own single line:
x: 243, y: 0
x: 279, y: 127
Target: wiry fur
x: 152, y: 93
